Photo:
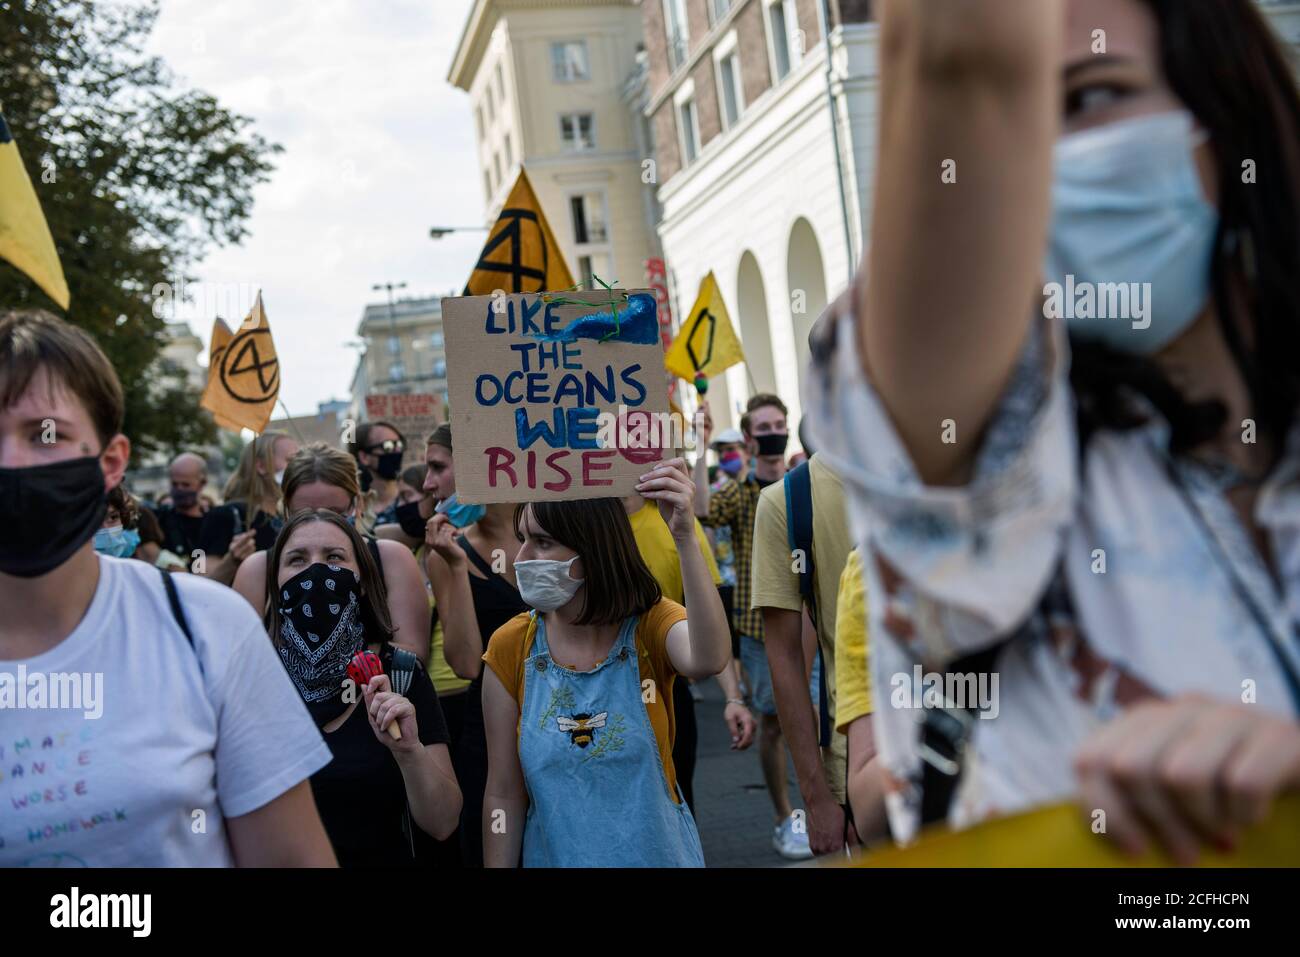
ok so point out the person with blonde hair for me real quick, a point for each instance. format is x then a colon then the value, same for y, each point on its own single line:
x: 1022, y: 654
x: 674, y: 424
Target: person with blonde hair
x: 249, y: 520
x: 319, y: 476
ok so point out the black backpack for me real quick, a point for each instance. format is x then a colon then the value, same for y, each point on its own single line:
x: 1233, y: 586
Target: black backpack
x: 799, y: 534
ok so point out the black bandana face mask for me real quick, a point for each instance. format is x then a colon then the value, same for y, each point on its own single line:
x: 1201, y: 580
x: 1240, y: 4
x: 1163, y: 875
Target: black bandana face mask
x: 48, y: 512
x: 320, y: 631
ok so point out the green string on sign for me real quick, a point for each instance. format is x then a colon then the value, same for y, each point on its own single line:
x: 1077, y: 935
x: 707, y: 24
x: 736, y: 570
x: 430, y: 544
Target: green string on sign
x: 612, y: 302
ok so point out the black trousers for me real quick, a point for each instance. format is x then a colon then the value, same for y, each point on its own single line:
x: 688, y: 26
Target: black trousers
x: 444, y: 855
x: 687, y: 738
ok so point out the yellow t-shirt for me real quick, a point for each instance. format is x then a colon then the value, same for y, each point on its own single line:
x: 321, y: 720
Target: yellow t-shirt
x: 853, y: 678
x: 512, y: 643
x: 776, y: 581
x: 655, y: 542
x: 445, y: 681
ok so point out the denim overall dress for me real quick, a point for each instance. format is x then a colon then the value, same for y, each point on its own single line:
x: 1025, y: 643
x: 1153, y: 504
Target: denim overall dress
x: 597, y: 791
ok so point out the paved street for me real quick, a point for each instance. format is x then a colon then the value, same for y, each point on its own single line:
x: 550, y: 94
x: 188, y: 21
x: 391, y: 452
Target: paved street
x: 733, y: 812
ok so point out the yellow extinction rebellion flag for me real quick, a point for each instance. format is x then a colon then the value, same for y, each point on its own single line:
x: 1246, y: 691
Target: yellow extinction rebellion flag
x: 25, y: 238
x: 243, y: 373
x: 706, y: 344
x: 1058, y: 836
x: 521, y: 254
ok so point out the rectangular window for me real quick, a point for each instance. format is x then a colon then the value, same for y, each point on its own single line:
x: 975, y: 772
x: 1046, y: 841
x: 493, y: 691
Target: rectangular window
x: 576, y: 132
x: 487, y: 181
x: 396, y: 372
x: 394, y: 345
x: 440, y: 368
x: 675, y: 27
x: 780, y: 39
x: 588, y: 210
x: 690, y: 130
x: 569, y: 61
x: 491, y: 109
x: 501, y: 85
x: 436, y: 339
x: 478, y: 121
x: 729, y: 73
x: 584, y: 271
x: 496, y: 165
x: 718, y: 9
x: 510, y: 153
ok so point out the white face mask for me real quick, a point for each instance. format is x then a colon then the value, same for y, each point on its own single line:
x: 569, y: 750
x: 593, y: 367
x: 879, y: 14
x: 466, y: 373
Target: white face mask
x: 545, y: 584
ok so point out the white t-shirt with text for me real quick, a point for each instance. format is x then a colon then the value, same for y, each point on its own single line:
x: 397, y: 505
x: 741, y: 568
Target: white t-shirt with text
x: 173, y: 750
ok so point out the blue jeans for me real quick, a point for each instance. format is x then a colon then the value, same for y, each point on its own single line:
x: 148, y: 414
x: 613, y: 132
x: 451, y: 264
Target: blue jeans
x: 754, y: 657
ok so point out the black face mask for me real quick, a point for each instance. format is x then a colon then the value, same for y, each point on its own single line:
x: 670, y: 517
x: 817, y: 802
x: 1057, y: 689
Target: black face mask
x: 390, y: 465
x: 772, y: 443
x: 412, y: 522
x: 49, y: 511
x: 184, y: 497
x: 320, y: 631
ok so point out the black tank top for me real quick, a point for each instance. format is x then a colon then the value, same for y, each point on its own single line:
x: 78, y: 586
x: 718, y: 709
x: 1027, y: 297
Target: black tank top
x: 496, y: 601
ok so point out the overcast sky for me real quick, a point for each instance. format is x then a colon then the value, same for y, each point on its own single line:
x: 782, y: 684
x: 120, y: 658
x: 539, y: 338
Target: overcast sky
x: 378, y: 148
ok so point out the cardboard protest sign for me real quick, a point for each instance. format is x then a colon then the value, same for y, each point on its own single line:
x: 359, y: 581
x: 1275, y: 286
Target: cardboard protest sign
x: 556, y: 395
x: 414, y: 415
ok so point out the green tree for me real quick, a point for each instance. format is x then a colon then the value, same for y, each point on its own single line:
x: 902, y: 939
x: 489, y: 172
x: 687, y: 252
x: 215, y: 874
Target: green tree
x: 139, y: 177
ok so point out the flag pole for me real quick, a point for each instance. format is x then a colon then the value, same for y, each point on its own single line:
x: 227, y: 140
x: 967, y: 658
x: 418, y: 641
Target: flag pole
x: 289, y: 418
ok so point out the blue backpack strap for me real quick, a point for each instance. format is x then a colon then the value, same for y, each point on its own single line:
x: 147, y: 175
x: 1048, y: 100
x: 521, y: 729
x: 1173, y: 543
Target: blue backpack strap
x: 799, y: 536
x: 178, y: 612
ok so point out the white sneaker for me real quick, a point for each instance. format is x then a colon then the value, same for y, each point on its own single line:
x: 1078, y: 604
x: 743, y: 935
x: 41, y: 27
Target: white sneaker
x: 789, y: 844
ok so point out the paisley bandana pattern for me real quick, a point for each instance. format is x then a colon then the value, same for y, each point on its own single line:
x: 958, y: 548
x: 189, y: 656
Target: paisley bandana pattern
x: 320, y: 631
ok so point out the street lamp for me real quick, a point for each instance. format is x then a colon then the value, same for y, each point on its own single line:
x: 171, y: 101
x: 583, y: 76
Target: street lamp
x: 437, y: 232
x: 392, y: 311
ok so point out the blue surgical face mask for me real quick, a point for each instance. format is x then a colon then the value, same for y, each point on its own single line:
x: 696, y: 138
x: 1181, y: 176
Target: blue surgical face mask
x: 1132, y: 237
x: 460, y: 514
x: 117, y: 541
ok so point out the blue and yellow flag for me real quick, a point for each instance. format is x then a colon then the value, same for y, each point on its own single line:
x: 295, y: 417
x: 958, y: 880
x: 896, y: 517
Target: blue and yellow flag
x: 25, y: 238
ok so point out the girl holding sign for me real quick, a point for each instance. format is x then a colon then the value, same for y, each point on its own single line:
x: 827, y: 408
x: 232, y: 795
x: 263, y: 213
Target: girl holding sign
x: 577, y: 696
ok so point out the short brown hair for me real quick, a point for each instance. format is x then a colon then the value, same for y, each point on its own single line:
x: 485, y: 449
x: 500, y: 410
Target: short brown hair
x: 319, y: 462
x: 128, y: 511
x: 363, y: 443
x: 758, y: 402
x: 619, y: 585
x: 441, y: 436
x: 33, y: 339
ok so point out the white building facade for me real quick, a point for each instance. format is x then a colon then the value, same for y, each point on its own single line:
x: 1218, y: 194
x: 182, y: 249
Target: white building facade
x: 754, y: 183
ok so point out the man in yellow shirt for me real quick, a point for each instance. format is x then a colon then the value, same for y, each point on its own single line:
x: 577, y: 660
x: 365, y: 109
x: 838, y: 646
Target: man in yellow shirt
x: 776, y: 591
x: 655, y: 543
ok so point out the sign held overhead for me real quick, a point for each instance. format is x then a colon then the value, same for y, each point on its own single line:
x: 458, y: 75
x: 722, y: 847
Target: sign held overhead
x: 556, y: 395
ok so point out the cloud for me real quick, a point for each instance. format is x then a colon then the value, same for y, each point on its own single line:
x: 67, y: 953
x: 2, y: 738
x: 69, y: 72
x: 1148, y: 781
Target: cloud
x: 378, y: 148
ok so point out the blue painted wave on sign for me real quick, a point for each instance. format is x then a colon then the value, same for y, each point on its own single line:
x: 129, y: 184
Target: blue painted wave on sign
x: 636, y: 323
